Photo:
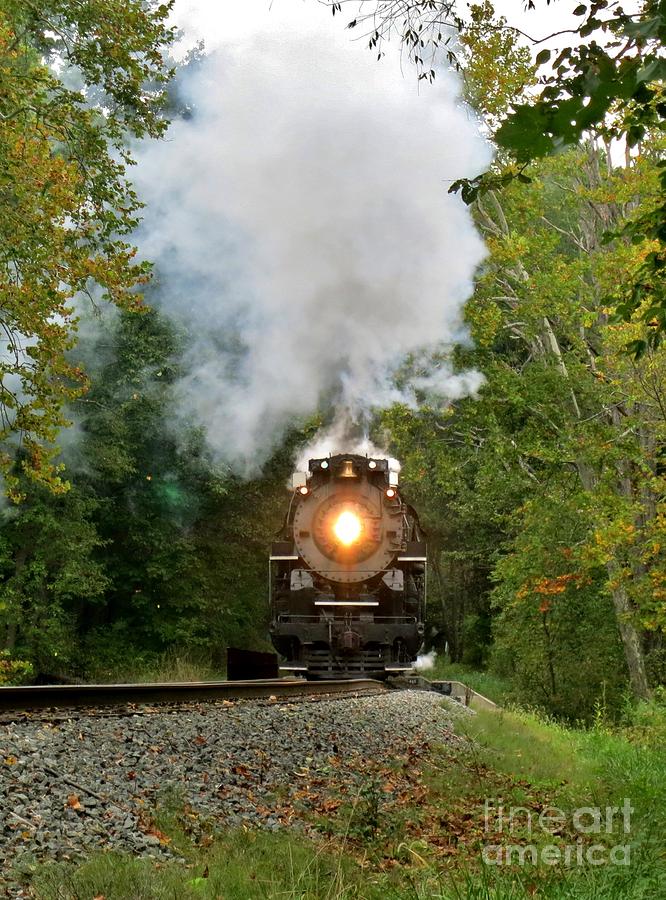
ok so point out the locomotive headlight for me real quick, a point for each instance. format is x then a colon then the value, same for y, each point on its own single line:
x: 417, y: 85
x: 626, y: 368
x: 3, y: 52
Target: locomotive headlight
x: 347, y: 528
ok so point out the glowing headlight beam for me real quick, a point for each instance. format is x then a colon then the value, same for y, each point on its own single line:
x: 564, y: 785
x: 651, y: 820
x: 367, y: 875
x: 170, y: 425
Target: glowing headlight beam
x: 347, y: 528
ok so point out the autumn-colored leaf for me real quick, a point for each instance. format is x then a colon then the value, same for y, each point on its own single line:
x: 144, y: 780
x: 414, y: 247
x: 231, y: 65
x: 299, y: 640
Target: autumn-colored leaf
x: 160, y: 835
x: 73, y: 802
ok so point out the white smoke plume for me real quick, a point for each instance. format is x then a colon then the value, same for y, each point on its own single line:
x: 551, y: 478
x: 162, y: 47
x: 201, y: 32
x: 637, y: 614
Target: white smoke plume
x: 337, y: 437
x: 302, y: 230
x: 425, y: 661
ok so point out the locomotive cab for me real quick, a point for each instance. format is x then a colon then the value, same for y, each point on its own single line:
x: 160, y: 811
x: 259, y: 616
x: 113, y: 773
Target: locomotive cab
x: 348, y: 575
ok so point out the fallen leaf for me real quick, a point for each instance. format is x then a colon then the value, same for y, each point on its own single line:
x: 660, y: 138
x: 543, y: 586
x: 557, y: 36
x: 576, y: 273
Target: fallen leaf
x: 160, y: 835
x: 73, y: 802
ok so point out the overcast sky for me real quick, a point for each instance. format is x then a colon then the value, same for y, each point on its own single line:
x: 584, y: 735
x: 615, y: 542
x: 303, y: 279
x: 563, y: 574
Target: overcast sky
x: 229, y: 20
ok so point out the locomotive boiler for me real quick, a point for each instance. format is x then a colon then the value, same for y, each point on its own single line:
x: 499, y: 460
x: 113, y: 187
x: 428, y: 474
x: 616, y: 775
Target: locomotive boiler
x: 348, y: 575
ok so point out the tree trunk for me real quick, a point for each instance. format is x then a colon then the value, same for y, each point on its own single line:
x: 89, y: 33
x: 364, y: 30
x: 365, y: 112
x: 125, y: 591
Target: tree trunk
x: 631, y: 641
x: 10, y: 636
x: 11, y: 632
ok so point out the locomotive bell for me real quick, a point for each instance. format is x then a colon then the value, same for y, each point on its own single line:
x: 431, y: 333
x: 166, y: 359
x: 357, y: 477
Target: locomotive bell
x: 347, y: 470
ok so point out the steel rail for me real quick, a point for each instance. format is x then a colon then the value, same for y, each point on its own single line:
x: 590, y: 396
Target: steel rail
x: 56, y: 696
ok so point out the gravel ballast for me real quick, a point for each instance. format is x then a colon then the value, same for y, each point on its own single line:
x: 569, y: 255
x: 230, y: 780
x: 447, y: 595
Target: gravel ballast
x: 91, y: 783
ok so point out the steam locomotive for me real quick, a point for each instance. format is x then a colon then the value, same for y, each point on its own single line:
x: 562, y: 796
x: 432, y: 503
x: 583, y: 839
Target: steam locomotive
x: 348, y: 575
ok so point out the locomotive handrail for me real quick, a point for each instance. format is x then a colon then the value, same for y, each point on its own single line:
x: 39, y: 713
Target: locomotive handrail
x: 379, y: 620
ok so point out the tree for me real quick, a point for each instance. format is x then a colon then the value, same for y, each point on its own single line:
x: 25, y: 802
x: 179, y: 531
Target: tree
x: 154, y: 547
x: 51, y: 576
x: 67, y: 205
x: 608, y: 83
x: 549, y: 484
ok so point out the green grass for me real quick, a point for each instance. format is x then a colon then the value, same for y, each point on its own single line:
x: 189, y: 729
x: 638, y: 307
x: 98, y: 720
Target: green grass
x: 243, y: 866
x: 570, y: 768
x: 165, y: 667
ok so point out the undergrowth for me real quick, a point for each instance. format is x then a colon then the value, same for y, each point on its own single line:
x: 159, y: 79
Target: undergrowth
x: 170, y: 666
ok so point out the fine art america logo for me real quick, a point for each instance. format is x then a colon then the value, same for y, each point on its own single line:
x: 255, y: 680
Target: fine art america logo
x: 582, y: 824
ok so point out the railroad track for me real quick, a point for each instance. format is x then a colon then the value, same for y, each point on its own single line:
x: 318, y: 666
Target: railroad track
x: 82, y: 696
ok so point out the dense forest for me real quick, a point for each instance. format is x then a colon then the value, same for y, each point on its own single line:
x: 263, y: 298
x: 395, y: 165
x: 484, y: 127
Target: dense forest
x: 542, y: 495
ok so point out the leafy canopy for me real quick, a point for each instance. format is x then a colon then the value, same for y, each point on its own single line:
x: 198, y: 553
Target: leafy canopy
x: 66, y: 204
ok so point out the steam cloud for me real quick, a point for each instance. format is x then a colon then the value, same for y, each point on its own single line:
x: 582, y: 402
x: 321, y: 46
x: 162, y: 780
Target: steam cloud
x: 425, y: 661
x: 303, y: 234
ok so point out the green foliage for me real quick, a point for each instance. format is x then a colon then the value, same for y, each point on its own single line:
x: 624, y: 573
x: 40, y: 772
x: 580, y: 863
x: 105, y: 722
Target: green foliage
x: 548, y: 485
x: 50, y: 577
x: 555, y: 635
x: 600, y: 763
x: 614, y: 89
x: 14, y: 671
x: 67, y: 205
x: 156, y: 553
x: 645, y: 723
x: 243, y: 866
x: 496, y: 70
